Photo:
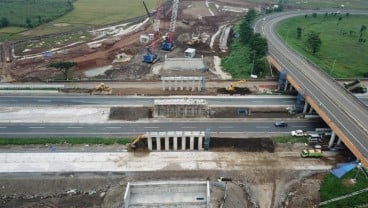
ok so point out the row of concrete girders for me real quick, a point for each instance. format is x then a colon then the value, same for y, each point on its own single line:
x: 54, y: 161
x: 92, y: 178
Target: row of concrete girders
x: 194, y: 137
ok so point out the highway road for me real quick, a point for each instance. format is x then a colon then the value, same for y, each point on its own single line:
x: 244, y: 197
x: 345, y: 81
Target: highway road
x: 42, y: 130
x: 343, y: 110
x: 269, y: 100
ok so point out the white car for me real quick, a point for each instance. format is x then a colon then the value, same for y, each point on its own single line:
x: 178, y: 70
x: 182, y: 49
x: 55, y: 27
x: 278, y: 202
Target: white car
x: 298, y: 133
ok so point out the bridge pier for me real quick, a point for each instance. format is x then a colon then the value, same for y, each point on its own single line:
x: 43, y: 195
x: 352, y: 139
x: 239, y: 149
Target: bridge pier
x: 305, y: 107
x: 286, y: 85
x: 310, y: 110
x: 332, y: 139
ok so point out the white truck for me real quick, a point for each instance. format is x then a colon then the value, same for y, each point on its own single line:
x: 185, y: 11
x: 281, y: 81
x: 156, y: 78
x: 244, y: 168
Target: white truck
x: 298, y: 133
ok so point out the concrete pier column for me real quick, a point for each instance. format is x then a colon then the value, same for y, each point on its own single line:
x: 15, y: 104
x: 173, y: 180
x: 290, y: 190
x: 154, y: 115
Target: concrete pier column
x: 163, y: 85
x: 286, y: 85
x: 191, y: 147
x: 167, y: 142
x: 169, y: 83
x: 200, y: 141
x: 182, y: 85
x: 183, y: 143
x: 338, y: 141
x: 149, y: 141
x: 193, y: 85
x: 332, y: 139
x: 305, y: 107
x: 310, y: 110
x: 175, y: 85
x: 175, y: 143
x: 158, y: 143
x: 199, y: 85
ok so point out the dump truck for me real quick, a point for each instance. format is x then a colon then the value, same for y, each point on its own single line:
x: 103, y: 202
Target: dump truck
x: 315, y: 152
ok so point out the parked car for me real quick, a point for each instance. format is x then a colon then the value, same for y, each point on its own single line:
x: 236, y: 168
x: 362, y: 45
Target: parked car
x: 280, y: 124
x: 298, y: 133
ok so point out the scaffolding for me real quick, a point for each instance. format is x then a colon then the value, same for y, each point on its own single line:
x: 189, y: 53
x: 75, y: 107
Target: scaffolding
x: 193, y: 83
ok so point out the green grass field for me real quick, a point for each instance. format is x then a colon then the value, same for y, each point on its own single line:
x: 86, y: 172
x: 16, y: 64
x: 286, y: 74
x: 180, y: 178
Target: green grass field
x: 87, y: 14
x: 313, y: 4
x: 341, y: 54
x: 333, y: 187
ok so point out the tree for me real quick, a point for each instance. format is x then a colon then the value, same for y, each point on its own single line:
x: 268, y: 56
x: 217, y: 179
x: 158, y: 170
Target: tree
x: 4, y: 22
x: 313, y: 42
x: 299, y: 32
x: 246, y: 32
x: 259, y: 45
x: 314, y: 15
x: 251, y: 15
x: 29, y: 23
x: 260, y: 67
x: 362, y: 29
x: 339, y: 20
x: 63, y: 66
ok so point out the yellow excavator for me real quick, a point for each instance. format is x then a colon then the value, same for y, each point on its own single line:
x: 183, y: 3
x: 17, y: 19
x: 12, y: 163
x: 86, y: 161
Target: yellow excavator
x: 101, y: 89
x: 133, y: 145
x: 234, y: 89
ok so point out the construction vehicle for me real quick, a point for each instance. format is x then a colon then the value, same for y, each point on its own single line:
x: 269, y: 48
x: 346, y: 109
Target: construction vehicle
x: 315, y: 152
x: 355, y: 86
x: 132, y: 146
x: 101, y: 89
x: 196, y: 40
x: 151, y: 57
x: 234, y: 89
x: 298, y: 133
x: 168, y: 40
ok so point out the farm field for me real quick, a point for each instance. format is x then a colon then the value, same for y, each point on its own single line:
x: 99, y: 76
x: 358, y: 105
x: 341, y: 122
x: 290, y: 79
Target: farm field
x: 341, y: 54
x: 88, y: 14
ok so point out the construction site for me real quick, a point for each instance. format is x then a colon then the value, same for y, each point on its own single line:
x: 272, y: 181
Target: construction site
x: 175, y: 49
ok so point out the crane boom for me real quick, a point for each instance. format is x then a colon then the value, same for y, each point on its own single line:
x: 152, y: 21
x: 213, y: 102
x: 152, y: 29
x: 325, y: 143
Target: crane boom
x: 174, y: 15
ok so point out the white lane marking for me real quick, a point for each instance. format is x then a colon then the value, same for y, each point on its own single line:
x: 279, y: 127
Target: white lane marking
x: 151, y: 127
x: 36, y: 127
x: 44, y: 101
x: 142, y: 101
x: 285, y: 101
x: 225, y: 127
x: 300, y: 126
x: 262, y: 127
x: 188, y: 127
x: 75, y: 127
x: 8, y: 100
x: 257, y: 101
x: 113, y: 127
x: 3, y: 127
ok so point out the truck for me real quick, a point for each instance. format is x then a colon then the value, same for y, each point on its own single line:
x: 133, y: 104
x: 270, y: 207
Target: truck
x: 316, y: 152
x: 298, y: 133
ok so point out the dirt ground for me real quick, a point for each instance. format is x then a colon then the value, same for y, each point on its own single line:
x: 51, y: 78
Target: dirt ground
x: 267, y: 184
x: 202, y: 20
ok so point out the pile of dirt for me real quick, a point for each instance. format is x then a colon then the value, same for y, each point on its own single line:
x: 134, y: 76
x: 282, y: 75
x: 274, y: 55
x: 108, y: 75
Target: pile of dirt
x: 237, y: 91
x: 245, y: 144
x: 130, y: 113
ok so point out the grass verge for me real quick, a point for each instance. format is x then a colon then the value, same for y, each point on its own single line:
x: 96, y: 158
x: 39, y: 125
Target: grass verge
x: 289, y: 139
x: 333, y: 187
x: 29, y: 141
x: 341, y: 54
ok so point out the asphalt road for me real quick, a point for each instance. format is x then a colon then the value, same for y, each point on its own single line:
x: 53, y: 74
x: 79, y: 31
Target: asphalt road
x: 41, y: 130
x: 343, y: 109
x: 148, y: 101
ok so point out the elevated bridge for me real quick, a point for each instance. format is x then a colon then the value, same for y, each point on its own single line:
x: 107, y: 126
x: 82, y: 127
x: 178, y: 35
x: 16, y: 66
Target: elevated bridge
x: 342, y: 111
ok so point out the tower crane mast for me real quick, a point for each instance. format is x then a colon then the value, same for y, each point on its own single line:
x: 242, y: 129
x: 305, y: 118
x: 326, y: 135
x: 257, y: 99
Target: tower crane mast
x: 169, y: 42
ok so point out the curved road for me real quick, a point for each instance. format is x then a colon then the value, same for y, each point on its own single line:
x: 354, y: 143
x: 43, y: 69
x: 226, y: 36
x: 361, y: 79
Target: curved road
x: 343, y: 110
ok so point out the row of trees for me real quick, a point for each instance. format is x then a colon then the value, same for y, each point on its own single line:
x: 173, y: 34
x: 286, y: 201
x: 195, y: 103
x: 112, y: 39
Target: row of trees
x: 4, y: 22
x: 257, y: 44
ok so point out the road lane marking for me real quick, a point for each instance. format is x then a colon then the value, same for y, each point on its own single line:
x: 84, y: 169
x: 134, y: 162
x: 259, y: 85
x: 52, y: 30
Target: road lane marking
x: 225, y: 127
x: 151, y: 127
x: 262, y: 127
x: 290, y: 101
x: 3, y: 127
x: 8, y: 100
x: 257, y: 101
x: 36, y: 127
x: 142, y: 101
x: 113, y: 127
x: 188, y: 127
x: 300, y: 126
x: 44, y: 101
x: 75, y: 127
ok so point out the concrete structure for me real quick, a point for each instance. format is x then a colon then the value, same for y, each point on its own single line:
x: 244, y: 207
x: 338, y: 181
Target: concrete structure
x: 180, y: 108
x: 184, y: 64
x: 192, y: 83
x: 190, y: 53
x: 175, y: 140
x: 164, y: 194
